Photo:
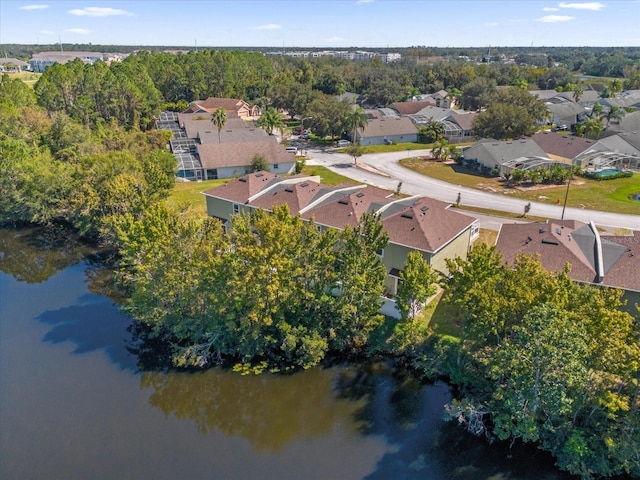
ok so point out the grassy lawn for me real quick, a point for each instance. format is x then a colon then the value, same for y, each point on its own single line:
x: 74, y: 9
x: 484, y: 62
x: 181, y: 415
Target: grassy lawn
x: 327, y: 176
x: 488, y: 237
x: 30, y: 78
x: 188, y: 194
x: 606, y: 195
x: 443, y: 317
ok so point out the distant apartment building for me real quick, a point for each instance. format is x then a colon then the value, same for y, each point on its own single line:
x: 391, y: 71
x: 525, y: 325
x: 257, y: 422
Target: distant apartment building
x: 40, y: 61
x: 358, y: 55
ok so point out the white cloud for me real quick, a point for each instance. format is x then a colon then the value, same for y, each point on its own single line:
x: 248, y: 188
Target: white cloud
x: 33, y: 7
x: 555, y: 18
x: 98, y: 12
x: 46, y: 32
x: 269, y: 26
x: 595, y: 6
x: 518, y: 20
x: 362, y: 2
x: 79, y: 31
x: 550, y: 9
x: 491, y: 24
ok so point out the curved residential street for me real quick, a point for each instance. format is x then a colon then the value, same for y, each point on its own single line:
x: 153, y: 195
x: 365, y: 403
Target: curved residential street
x: 383, y: 170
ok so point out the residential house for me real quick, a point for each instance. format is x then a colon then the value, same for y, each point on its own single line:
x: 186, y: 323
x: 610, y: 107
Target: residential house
x: 238, y: 107
x: 628, y: 99
x: 493, y: 154
x: 459, y: 125
x: 235, y: 130
x: 203, y: 153
x: 594, y: 257
x: 13, y: 65
x: 629, y: 123
x: 42, y: 60
x: 566, y: 114
x: 381, y: 129
x: 439, y: 99
x: 227, y: 160
x: 411, y: 108
x: 563, y: 148
x: 414, y: 223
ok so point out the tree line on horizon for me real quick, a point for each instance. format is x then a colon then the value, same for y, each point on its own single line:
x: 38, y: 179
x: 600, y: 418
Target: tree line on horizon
x: 538, y: 358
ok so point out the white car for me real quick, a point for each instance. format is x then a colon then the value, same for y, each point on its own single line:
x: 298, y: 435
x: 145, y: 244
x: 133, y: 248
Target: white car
x: 344, y: 143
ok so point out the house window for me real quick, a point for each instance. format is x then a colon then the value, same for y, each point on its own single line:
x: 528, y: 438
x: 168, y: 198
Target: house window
x: 475, y: 231
x: 275, y: 166
x: 212, y: 174
x: 236, y: 208
x: 380, y: 253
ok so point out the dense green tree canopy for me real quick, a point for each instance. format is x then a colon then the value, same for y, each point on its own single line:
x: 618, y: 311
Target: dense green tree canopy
x: 283, y: 292
x: 547, y: 360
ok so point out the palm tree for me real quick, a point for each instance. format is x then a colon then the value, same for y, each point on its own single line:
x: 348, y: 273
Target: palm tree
x: 440, y: 150
x: 593, y: 128
x: 580, y: 129
x: 271, y: 120
x: 355, y: 119
x: 219, y: 118
x: 596, y: 110
x: 614, y: 113
x: 615, y: 86
x: 434, y: 131
x: 577, y: 93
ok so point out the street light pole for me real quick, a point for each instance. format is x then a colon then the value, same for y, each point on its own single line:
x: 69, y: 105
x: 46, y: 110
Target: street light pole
x: 302, y: 122
x: 566, y: 194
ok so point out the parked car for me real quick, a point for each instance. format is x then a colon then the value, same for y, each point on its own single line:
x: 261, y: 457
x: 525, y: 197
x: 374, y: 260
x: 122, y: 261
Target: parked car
x: 344, y: 143
x: 293, y: 150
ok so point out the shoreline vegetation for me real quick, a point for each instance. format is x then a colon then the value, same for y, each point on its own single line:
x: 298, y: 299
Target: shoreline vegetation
x: 535, y: 357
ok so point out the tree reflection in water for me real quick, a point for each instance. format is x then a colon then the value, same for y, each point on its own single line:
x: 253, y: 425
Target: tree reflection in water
x: 270, y: 411
x: 33, y: 255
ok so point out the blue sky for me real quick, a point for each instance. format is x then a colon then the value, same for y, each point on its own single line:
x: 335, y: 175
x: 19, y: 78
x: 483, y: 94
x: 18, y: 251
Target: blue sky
x: 328, y: 23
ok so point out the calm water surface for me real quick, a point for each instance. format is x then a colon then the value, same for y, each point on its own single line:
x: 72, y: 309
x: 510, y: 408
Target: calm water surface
x: 75, y: 403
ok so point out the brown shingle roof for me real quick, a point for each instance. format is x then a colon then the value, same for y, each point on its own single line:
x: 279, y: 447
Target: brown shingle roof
x: 409, y: 108
x: 388, y: 126
x: 240, y: 189
x: 296, y: 196
x: 347, y: 208
x: 212, y: 103
x: 564, y: 146
x: 426, y: 224
x: 235, y: 130
x: 557, y: 243
x: 222, y: 155
x: 625, y: 273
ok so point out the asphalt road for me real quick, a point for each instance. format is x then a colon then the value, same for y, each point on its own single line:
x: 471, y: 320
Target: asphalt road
x: 382, y: 170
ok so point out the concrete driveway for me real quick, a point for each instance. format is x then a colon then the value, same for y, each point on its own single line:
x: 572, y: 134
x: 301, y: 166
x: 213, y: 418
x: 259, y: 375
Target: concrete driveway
x: 383, y: 170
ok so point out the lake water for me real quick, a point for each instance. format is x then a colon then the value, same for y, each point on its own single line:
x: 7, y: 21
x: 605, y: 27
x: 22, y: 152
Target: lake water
x: 75, y: 402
